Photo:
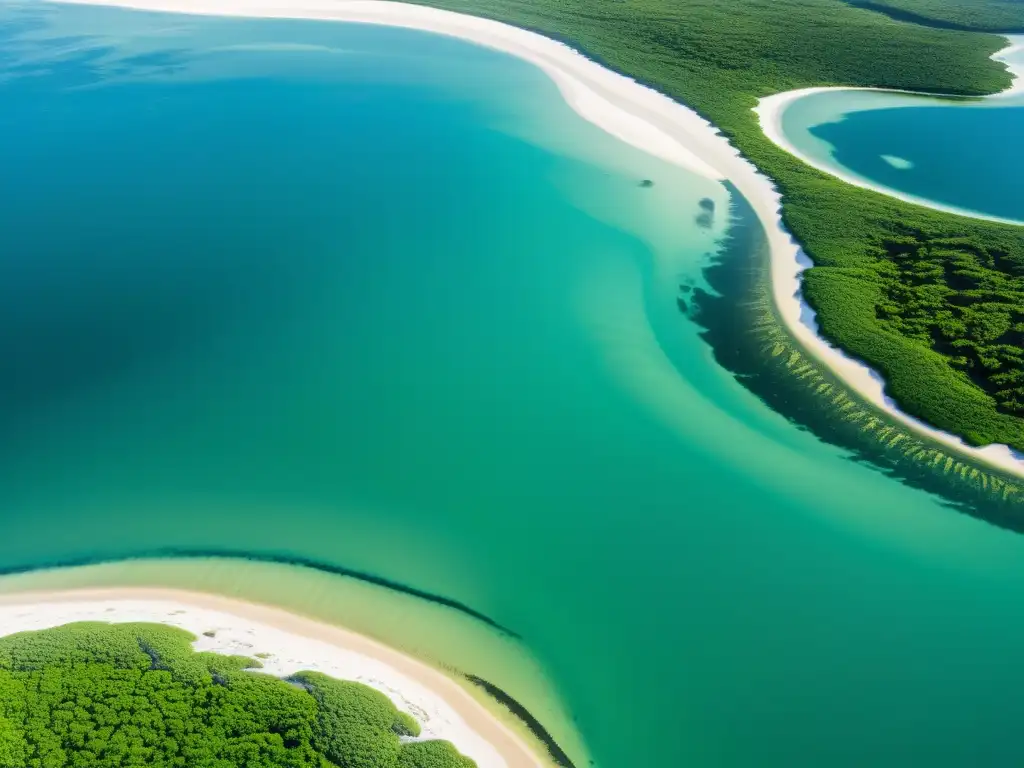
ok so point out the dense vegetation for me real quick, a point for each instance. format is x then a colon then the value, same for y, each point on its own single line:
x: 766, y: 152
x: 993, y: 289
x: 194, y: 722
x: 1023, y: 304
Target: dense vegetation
x: 990, y: 15
x: 872, y: 253
x: 91, y: 695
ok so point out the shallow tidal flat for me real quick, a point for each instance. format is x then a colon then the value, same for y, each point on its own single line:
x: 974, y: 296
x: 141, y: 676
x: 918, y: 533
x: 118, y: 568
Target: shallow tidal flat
x: 378, y: 300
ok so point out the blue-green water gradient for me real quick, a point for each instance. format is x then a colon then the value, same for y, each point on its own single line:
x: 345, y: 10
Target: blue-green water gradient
x: 380, y: 299
x: 964, y: 156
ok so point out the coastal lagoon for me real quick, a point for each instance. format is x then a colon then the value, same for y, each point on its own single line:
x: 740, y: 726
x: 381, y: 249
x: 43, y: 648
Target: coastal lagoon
x: 380, y: 301
x: 960, y: 155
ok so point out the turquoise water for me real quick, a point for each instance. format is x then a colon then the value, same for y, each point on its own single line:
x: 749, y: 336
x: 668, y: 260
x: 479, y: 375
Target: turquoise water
x: 966, y: 156
x: 380, y: 300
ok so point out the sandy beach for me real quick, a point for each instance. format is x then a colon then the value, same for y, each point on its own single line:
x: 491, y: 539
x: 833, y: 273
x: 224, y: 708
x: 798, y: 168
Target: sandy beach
x: 771, y: 108
x: 867, y: 382
x: 573, y: 73
x: 769, y: 111
x: 290, y: 643
x: 641, y: 117
x: 1013, y: 57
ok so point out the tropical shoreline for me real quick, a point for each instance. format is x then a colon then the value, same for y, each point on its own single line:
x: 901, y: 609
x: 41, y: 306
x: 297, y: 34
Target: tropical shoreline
x: 285, y: 644
x: 641, y: 117
x: 1015, y: 65
x: 770, y: 110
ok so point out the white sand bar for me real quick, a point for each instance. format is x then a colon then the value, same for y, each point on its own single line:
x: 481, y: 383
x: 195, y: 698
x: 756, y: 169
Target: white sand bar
x: 641, y: 117
x: 292, y: 643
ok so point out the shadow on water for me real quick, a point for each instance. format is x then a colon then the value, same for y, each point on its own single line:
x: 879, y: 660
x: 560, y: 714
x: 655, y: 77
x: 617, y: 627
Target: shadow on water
x: 536, y: 728
x: 747, y: 338
x: 277, y: 559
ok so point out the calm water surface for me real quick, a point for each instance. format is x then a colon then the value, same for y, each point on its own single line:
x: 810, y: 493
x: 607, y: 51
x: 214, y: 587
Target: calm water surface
x: 961, y: 155
x: 379, y: 299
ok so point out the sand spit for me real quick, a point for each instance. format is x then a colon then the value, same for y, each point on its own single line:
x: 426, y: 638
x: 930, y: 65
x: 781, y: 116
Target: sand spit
x: 639, y: 116
x: 288, y: 643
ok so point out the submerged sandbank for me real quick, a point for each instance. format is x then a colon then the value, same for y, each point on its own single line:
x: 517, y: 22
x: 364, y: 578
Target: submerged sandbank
x: 637, y: 115
x: 287, y: 643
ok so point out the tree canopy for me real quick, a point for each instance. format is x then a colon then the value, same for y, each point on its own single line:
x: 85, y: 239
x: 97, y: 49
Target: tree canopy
x: 93, y: 695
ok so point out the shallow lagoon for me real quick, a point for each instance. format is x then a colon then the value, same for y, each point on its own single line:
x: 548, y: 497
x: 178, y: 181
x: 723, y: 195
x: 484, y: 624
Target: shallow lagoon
x: 380, y: 300
x: 964, y: 156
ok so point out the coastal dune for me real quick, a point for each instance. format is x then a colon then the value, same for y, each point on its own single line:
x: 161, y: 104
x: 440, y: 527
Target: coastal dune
x: 639, y: 116
x: 286, y: 643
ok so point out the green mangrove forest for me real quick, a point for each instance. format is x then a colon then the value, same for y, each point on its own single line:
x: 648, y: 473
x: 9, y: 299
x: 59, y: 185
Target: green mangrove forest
x: 931, y: 300
x: 985, y: 15
x: 90, y: 695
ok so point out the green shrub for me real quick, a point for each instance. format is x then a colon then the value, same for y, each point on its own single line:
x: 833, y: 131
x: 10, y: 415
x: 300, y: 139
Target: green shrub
x: 406, y: 725
x: 432, y: 754
x: 356, y: 725
x: 101, y: 695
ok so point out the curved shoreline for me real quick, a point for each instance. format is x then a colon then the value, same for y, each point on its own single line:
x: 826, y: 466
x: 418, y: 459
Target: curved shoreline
x: 264, y: 557
x: 639, y: 116
x: 583, y: 83
x: 1015, y: 67
x: 866, y: 381
x: 444, y: 709
x: 770, y: 110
